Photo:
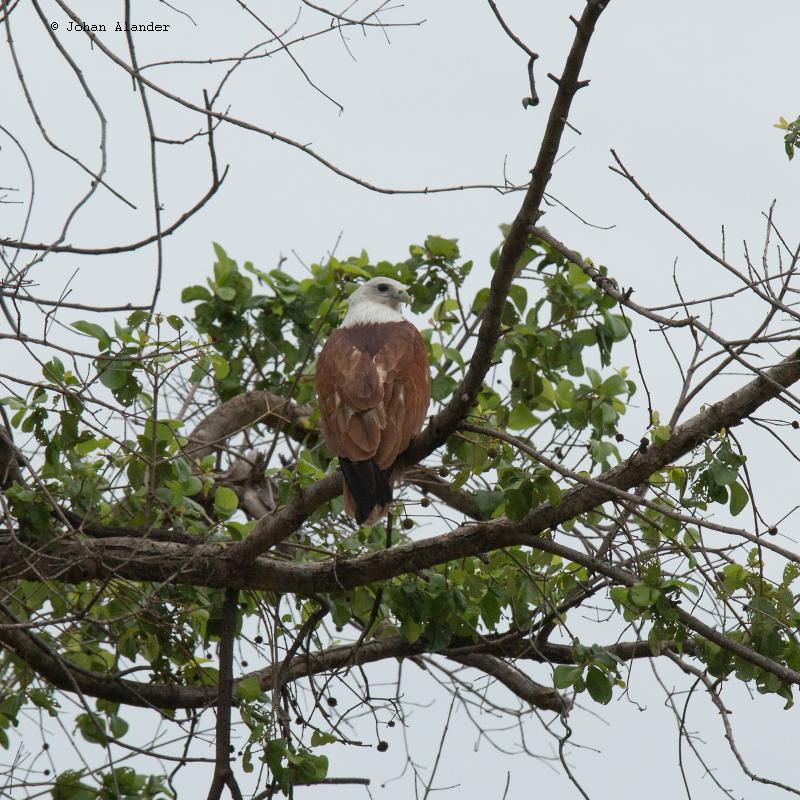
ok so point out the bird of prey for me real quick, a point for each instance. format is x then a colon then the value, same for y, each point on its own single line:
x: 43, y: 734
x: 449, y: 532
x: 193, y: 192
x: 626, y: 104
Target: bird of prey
x: 374, y: 386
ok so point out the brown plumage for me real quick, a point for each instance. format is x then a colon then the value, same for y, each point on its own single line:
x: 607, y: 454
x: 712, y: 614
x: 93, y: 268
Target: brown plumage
x: 373, y: 384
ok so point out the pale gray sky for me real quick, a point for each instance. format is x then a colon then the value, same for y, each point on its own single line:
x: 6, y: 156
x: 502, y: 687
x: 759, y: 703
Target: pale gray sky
x: 685, y: 92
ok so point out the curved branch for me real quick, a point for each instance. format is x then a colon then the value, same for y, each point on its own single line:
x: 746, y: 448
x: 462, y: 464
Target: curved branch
x: 69, y: 677
x: 220, y: 566
x: 517, y: 681
x: 271, y: 410
x: 122, y: 248
x: 244, y: 410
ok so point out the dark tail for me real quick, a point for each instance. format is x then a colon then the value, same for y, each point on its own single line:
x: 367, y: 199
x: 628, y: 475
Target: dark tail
x: 369, y: 485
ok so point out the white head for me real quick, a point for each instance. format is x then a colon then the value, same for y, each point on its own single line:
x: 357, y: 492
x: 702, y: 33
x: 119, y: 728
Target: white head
x: 376, y: 300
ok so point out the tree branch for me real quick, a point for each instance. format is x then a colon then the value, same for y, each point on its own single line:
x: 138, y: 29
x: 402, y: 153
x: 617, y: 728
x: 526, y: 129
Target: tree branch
x: 241, y: 412
x: 223, y: 774
x: 235, y: 567
x: 69, y: 677
x: 517, y: 681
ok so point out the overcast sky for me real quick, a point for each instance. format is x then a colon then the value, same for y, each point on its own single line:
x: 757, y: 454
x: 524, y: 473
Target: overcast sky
x: 686, y: 92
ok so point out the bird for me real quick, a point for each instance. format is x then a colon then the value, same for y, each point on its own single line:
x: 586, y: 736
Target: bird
x: 373, y: 385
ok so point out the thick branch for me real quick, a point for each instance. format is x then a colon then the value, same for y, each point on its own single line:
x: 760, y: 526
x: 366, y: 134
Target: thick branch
x: 269, y: 409
x: 216, y: 565
x: 67, y: 677
x: 446, y: 421
x: 241, y: 412
x: 517, y: 681
x: 223, y: 775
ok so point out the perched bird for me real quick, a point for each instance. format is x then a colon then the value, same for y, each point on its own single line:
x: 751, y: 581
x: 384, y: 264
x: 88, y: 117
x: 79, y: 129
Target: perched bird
x: 374, y: 387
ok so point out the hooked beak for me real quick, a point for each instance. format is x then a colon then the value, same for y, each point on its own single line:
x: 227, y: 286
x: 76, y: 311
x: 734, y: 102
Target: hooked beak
x: 404, y: 297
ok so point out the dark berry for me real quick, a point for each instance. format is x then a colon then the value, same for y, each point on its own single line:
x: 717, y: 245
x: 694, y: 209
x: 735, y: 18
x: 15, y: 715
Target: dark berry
x: 619, y: 437
x: 492, y: 452
x: 408, y: 524
x: 244, y: 663
x: 298, y: 720
x: 383, y: 747
x: 795, y: 424
x: 332, y: 701
x: 772, y: 531
x: 45, y: 746
x: 390, y: 723
x: 258, y: 639
x: 443, y: 472
x: 424, y: 502
x: 47, y: 772
x: 232, y: 749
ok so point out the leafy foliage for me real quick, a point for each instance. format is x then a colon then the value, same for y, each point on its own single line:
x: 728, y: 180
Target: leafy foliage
x: 792, y: 138
x: 553, y: 385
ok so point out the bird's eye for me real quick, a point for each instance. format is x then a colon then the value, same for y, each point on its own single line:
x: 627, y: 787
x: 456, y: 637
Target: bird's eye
x: 383, y: 287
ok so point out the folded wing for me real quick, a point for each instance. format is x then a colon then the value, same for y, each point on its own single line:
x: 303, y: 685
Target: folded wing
x: 373, y: 384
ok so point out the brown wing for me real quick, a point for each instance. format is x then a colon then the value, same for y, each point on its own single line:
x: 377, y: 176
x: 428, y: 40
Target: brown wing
x: 373, y: 384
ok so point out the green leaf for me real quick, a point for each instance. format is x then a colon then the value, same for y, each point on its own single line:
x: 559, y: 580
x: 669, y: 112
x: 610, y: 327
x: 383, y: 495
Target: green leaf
x: 191, y: 293
x: 661, y: 434
x: 221, y: 367
x: 614, y: 385
x: 618, y: 326
x: 442, y: 386
x: 175, y: 322
x: 68, y: 786
x: 92, y: 728
x: 575, y: 275
x: 225, y: 501
x: 113, y: 377
x: 91, y: 329
x: 519, y: 296
x: 722, y: 475
x: 444, y: 248
x: 599, y: 685
x: 86, y: 446
x: 319, y: 738
x: 53, y: 370
x: 225, y: 293
x: 594, y: 377
x: 487, y: 501
x: 249, y: 688
x: 739, y: 498
x: 643, y: 595
x: 521, y: 418
x: 119, y: 727
x: 411, y: 630
x: 191, y: 486
x: 519, y: 501
x: 734, y: 576
x: 137, y: 318
x: 565, y: 675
